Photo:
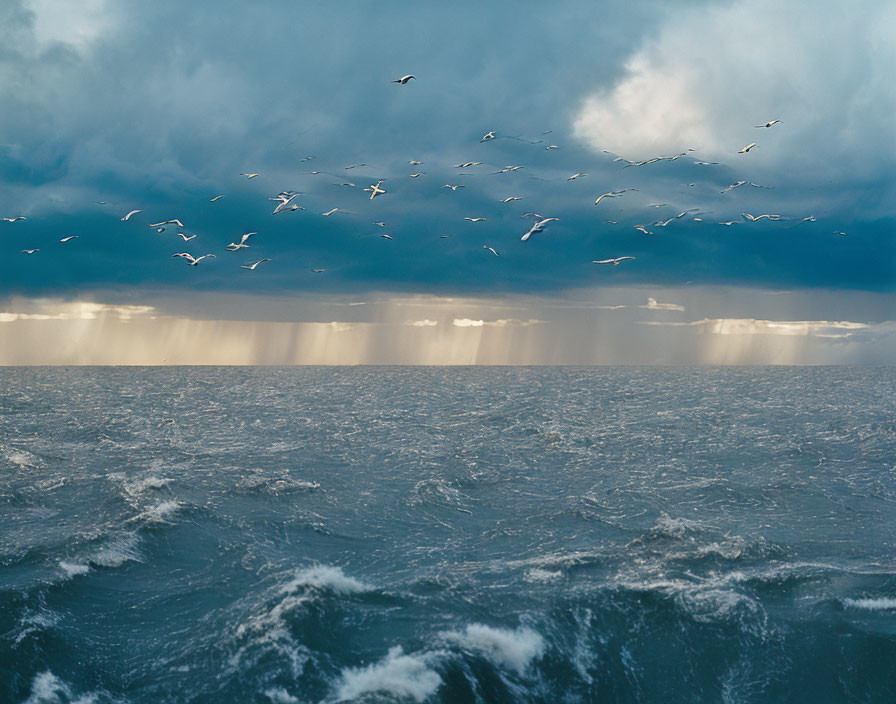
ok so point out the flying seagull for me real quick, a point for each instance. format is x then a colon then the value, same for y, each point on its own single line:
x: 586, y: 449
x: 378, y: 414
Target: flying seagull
x: 836, y: 232
x: 355, y: 166
x: 329, y: 212
x: 768, y: 124
x: 212, y: 200
x: 417, y: 175
x: 375, y: 190
x: 414, y: 162
x: 641, y: 228
x: 386, y: 237
x: 191, y: 260
x: 167, y: 222
x: 32, y: 251
x: 22, y: 217
x: 248, y: 175
x: 69, y: 238
x: 318, y: 271
x: 284, y: 197
x: 551, y: 146
x: 128, y: 216
x: 251, y: 267
x: 615, y: 261
x: 233, y: 246
x: 404, y: 79
x: 454, y: 188
x: 485, y: 246
x: 612, y: 194
x: 747, y: 148
x: 736, y: 184
x: 487, y: 136
x: 467, y: 164
x: 185, y: 238
x: 537, y: 226
x: 751, y: 218
x: 380, y: 224
x: 575, y: 176
x: 445, y: 237
x: 510, y: 198
x: 476, y: 219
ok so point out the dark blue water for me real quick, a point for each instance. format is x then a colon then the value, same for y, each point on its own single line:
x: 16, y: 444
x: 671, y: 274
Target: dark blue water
x: 448, y: 535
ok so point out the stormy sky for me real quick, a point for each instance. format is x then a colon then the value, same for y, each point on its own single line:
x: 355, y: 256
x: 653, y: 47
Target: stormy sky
x: 114, y: 106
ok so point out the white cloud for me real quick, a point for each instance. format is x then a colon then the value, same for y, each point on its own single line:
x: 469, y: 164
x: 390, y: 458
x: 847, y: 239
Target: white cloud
x: 467, y: 323
x: 43, y: 309
x: 653, y: 305
x: 422, y: 323
x: 751, y: 326
x: 711, y: 74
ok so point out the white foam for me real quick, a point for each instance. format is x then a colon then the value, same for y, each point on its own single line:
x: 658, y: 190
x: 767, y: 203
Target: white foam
x: 138, y: 486
x: 505, y: 648
x: 326, y: 577
x: 537, y: 574
x: 73, y: 569
x: 879, y: 604
x: 22, y: 458
x: 118, y: 550
x: 278, y: 695
x: 158, y: 513
x: 397, y: 674
x: 46, y: 688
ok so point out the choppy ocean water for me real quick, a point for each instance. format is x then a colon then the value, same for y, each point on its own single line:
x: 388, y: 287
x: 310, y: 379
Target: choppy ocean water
x: 447, y: 535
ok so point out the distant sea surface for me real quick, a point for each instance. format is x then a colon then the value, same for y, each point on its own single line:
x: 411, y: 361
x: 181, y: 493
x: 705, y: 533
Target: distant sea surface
x: 447, y: 535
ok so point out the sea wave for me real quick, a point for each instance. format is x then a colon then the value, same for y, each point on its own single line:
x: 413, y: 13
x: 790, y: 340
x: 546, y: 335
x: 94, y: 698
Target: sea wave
x: 515, y: 649
x: 397, y: 674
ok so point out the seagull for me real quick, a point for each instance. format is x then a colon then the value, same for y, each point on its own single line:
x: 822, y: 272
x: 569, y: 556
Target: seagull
x: 663, y: 223
x: 380, y: 224
x: 707, y: 163
x: 808, y: 218
x: 375, y: 190
x: 768, y: 124
x: 729, y: 223
x: 487, y: 136
x: 126, y: 217
x: 751, y: 218
x: 22, y: 217
x: 531, y: 215
x: 233, y: 246
x: 355, y: 166
x: 385, y: 236
x: 100, y: 202
x: 69, y: 238
x: 318, y: 271
x: 212, y: 200
x: 612, y: 194
x: 685, y: 212
x: 756, y: 185
x: 510, y: 198
x: 836, y: 232
x: 551, y: 146
x: 485, y: 246
x: 284, y: 197
x: 507, y: 169
x: 454, y: 188
x: 404, y: 79
x: 537, y: 226
x: 329, y: 212
x: 467, y: 164
x: 414, y: 162
x: 747, y: 148
x: 167, y: 222
x: 251, y: 267
x: 643, y: 229
x: 32, y: 251
x: 418, y: 174
x: 445, y: 237
x: 191, y: 260
x: 476, y: 219
x: 250, y: 176
x: 615, y: 261
x: 575, y: 176
x: 185, y: 238
x: 306, y: 158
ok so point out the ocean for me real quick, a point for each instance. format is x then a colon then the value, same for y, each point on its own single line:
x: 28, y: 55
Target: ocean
x: 406, y: 534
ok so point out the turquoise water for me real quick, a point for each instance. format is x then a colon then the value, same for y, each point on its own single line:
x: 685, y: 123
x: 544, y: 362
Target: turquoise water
x: 447, y: 535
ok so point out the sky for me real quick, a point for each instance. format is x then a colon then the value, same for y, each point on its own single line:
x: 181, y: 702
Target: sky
x: 116, y: 106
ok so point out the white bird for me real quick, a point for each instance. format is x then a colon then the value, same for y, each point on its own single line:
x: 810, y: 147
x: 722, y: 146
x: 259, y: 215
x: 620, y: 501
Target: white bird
x: 318, y: 271
x: 329, y: 212
x: 808, y: 218
x: 184, y: 237
x: 251, y: 267
x: 167, y: 222
x: 380, y: 224
x: 838, y: 232
x: 32, y: 251
x: 445, y: 237
x: 467, y: 164
x: 737, y: 184
x: 768, y: 124
x: 575, y: 176
x: 510, y: 198
x: 615, y: 261
x: 643, y: 229
x: 212, y: 200
x: 306, y: 158
x: 508, y: 169
x: 233, y: 246
x: 454, y: 188
x: 386, y: 237
x: 747, y: 148
x: 21, y: 217
x: 663, y: 223
x: 612, y: 194
x: 417, y: 175
x: 69, y: 238
x: 537, y: 226
x: 128, y: 216
x: 487, y: 136
x: 476, y: 219
x: 707, y: 163
x: 551, y: 146
x: 404, y: 79
x: 751, y: 218
x: 485, y: 246
x: 284, y: 197
x: 729, y: 223
x: 375, y: 190
x: 414, y: 162
x: 191, y: 260
x: 355, y: 166
x: 249, y: 176
x: 531, y: 215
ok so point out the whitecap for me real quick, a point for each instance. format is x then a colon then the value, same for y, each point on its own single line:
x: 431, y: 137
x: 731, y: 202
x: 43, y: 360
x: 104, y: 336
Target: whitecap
x: 46, y: 688
x: 135, y: 487
x: 537, y: 574
x: 278, y: 695
x: 878, y: 604
x: 73, y: 569
x: 116, y: 551
x: 326, y: 577
x: 507, y: 648
x: 400, y: 675
x: 22, y: 458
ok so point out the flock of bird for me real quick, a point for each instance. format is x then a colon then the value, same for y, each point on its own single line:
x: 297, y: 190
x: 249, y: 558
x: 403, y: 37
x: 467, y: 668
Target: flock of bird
x: 286, y: 202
